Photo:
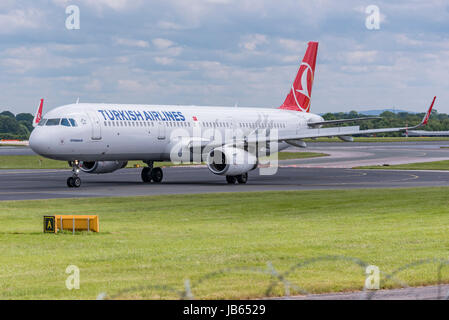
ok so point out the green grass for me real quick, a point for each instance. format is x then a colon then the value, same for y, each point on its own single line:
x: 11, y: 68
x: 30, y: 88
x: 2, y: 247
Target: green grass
x: 12, y: 145
x: 31, y: 162
x: 160, y: 241
x: 38, y: 162
x: 381, y: 139
x: 297, y: 155
x: 434, y: 165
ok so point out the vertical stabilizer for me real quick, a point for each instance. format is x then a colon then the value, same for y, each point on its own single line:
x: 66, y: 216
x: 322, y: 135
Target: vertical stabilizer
x: 300, y: 93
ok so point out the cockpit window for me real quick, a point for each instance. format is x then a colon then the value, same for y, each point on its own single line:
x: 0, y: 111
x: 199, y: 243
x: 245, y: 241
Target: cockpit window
x: 53, y: 122
x: 73, y: 122
x: 65, y: 122
x: 42, y: 122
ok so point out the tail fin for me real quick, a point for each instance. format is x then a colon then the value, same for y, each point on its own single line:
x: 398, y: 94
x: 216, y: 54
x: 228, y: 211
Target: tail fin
x: 38, y: 116
x: 298, y: 99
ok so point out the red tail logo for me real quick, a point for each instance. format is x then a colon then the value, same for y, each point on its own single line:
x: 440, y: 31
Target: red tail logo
x: 38, y: 115
x: 298, y: 98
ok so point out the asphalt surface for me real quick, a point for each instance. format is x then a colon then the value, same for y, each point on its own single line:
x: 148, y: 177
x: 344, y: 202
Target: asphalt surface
x: 15, y: 151
x: 349, y: 155
x: 48, y: 184
x: 412, y: 293
x: 330, y: 172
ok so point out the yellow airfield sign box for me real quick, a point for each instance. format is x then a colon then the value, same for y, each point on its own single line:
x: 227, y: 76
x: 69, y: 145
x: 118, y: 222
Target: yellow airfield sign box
x: 53, y: 224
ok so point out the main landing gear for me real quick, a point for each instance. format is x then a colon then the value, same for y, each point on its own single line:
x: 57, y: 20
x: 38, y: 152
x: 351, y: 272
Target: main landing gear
x: 150, y: 174
x: 241, y: 179
x: 74, y: 181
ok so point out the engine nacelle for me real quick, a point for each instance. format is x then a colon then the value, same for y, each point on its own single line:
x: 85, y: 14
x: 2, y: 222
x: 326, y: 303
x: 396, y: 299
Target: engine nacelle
x: 102, y: 166
x: 230, y: 161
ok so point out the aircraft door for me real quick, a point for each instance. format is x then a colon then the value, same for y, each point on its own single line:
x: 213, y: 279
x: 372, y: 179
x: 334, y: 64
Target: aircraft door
x: 161, y: 131
x: 96, y: 128
x: 231, y: 129
x: 301, y: 125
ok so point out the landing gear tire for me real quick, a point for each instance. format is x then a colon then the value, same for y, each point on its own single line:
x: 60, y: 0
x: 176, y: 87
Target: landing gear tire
x: 243, y: 178
x: 231, y: 179
x: 74, y: 181
x: 146, y: 175
x: 77, y: 182
x: 157, y: 175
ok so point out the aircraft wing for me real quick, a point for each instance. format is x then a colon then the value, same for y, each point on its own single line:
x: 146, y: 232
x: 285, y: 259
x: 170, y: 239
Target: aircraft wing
x: 336, y: 131
x: 313, y: 124
x: 264, y: 136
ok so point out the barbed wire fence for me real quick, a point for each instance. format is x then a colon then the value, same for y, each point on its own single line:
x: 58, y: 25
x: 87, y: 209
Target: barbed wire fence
x: 290, y: 289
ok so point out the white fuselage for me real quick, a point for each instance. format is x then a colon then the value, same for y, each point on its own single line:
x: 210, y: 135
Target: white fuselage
x: 96, y: 132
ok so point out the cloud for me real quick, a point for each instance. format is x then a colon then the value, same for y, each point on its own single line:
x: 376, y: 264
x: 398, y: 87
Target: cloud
x: 20, y: 19
x: 168, y: 48
x: 169, y: 25
x: 20, y: 60
x: 359, y: 56
x: 292, y: 45
x: 162, y: 43
x: 218, y: 52
x: 94, y: 85
x: 163, y: 60
x: 252, y: 41
x: 101, y: 5
x: 132, y: 43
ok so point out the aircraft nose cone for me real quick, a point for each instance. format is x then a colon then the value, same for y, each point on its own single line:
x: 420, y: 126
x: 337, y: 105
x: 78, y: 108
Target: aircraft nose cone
x: 38, y: 142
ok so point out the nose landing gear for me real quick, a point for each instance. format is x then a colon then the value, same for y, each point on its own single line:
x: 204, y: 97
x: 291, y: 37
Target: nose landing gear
x: 241, y: 179
x: 74, y: 181
x: 150, y: 174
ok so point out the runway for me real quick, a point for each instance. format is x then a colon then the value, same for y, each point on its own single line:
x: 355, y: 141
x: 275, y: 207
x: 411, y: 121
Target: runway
x: 48, y: 184
x: 307, y: 174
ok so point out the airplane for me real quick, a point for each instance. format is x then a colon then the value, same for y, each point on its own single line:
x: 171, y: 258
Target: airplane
x: 101, y: 138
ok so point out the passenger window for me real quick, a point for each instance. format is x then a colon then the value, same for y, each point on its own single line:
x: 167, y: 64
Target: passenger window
x: 65, y: 122
x: 53, y: 122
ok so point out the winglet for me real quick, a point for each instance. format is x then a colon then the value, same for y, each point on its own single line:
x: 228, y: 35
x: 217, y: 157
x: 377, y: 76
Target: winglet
x: 38, y: 115
x: 427, y: 116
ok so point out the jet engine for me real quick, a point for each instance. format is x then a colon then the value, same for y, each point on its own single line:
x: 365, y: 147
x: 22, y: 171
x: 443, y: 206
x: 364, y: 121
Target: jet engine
x: 230, y: 161
x: 102, y: 166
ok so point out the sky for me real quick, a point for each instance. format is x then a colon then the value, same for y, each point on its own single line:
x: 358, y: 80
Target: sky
x: 223, y: 52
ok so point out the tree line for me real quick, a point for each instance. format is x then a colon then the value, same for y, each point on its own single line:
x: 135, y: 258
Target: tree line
x: 15, y: 126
